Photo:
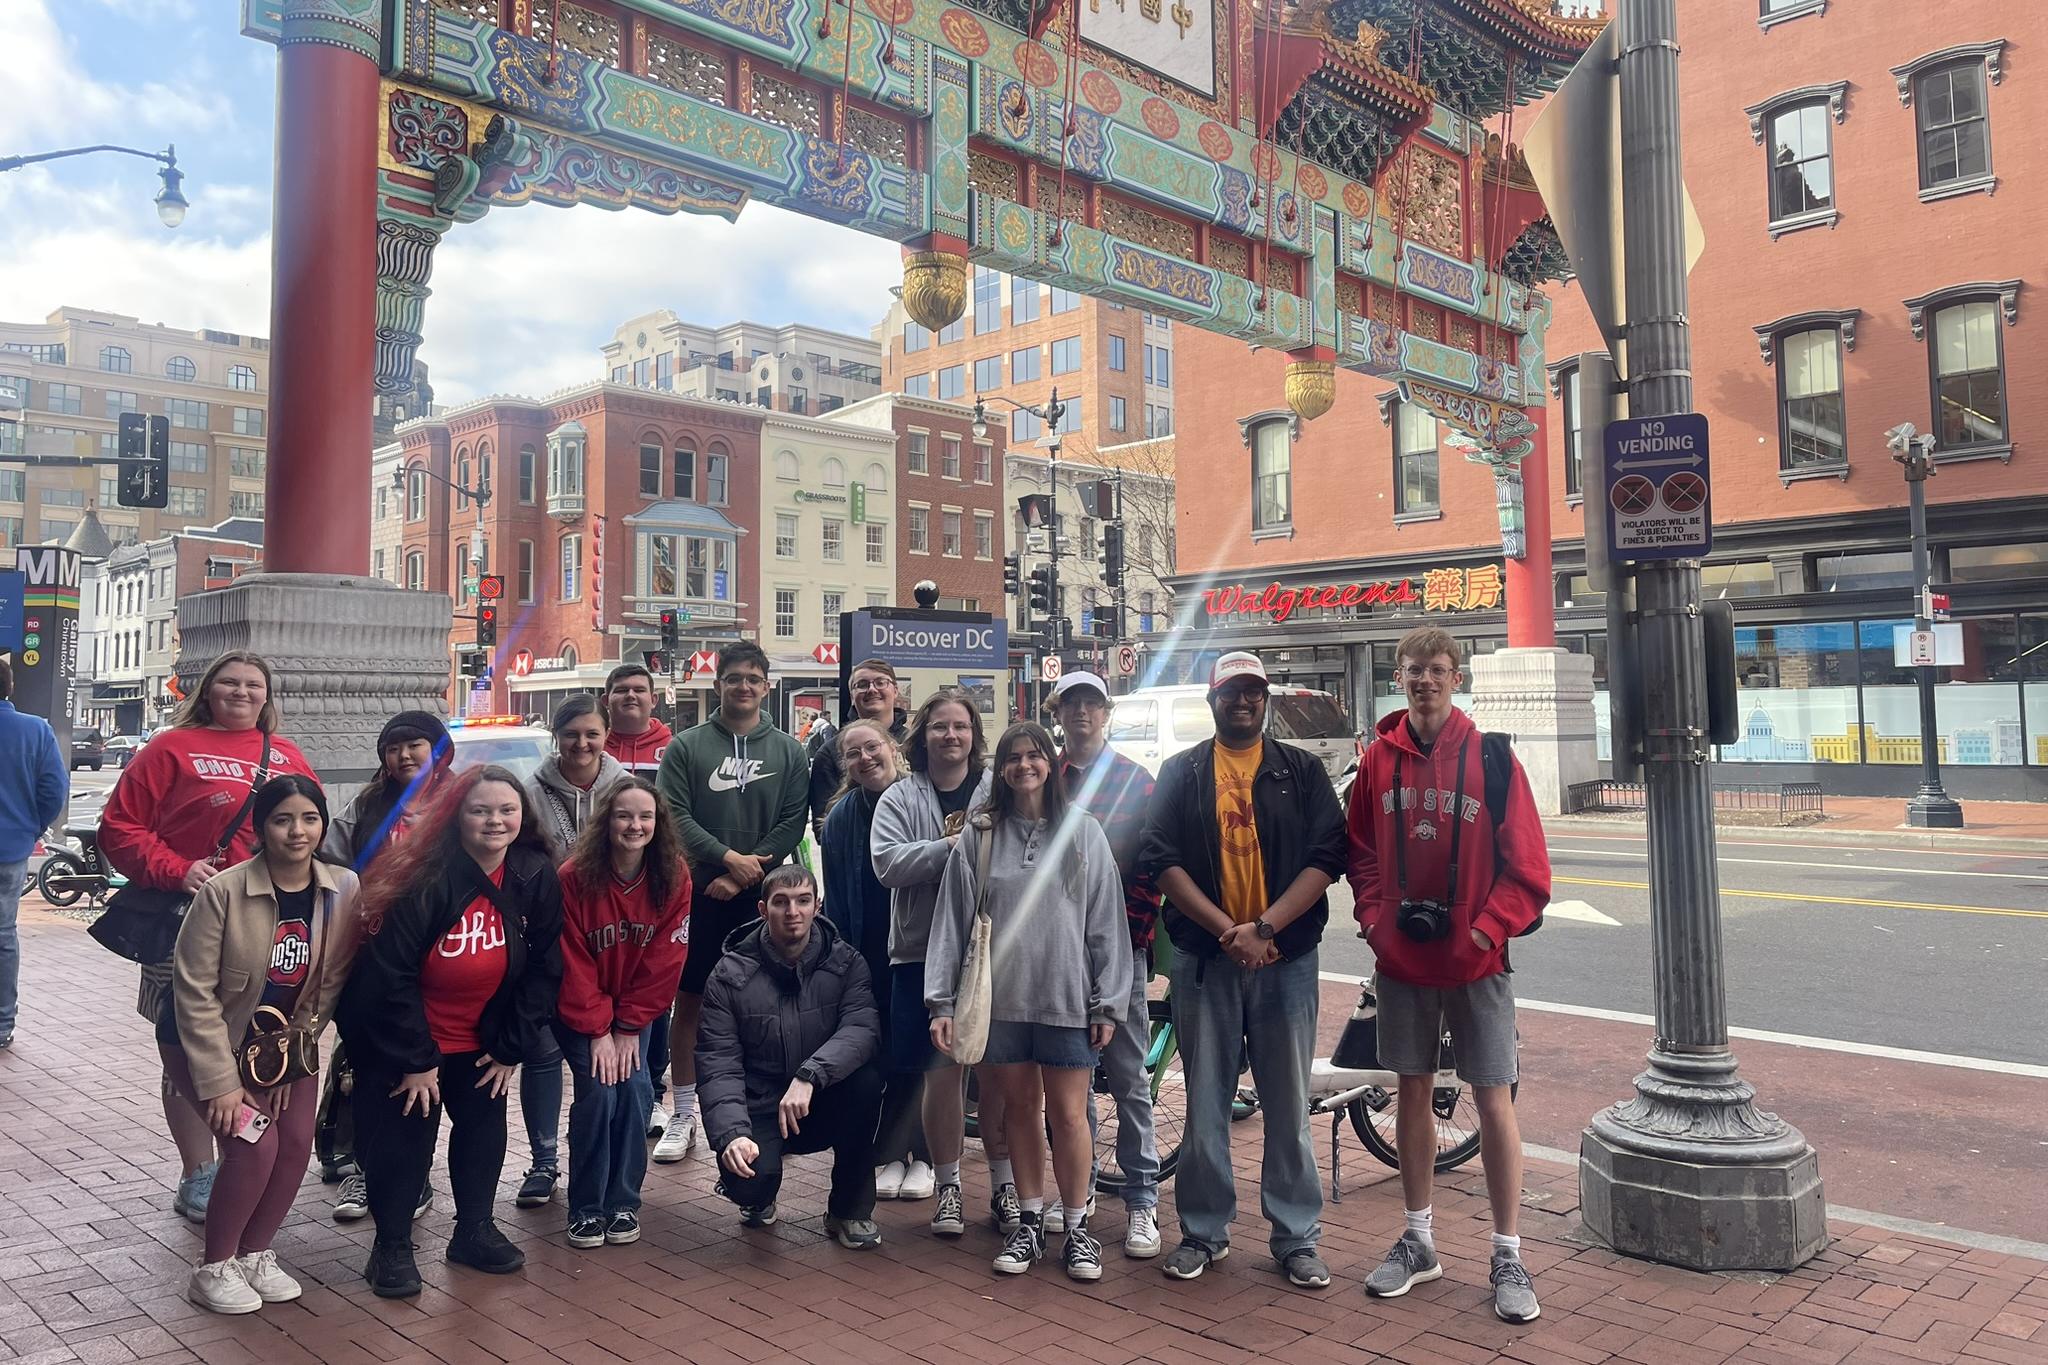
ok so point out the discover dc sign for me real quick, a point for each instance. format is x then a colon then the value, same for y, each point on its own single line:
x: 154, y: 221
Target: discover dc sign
x: 963, y: 641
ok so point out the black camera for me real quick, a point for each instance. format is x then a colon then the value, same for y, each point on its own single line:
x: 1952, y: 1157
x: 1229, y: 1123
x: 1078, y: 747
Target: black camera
x: 1424, y: 921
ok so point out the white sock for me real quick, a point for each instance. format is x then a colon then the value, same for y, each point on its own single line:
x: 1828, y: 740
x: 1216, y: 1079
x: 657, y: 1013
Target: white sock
x: 1075, y: 1216
x: 1419, y: 1226
x: 999, y: 1172
x: 1504, y: 1245
x: 949, y: 1173
x: 686, y: 1102
x: 1033, y: 1205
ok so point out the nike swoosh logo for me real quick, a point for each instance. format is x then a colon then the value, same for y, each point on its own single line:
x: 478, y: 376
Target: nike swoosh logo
x: 719, y: 782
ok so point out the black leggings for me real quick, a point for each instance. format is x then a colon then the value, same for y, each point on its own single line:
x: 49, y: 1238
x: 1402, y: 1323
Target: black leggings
x: 396, y: 1149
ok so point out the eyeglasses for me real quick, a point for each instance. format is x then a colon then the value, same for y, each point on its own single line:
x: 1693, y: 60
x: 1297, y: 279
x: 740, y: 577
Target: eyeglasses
x: 873, y: 685
x: 749, y: 680
x: 1434, y: 672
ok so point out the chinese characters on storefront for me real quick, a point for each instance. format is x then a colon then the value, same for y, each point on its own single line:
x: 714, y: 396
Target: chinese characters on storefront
x: 1445, y: 589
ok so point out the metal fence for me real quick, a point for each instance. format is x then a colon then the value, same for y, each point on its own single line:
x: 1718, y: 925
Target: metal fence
x: 1787, y: 799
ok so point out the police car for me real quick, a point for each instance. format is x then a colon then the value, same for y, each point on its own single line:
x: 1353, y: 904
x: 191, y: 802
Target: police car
x: 507, y: 741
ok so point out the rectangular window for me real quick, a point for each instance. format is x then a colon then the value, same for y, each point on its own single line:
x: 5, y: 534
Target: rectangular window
x: 949, y: 457
x: 1415, y: 461
x: 56, y: 530
x: 785, y: 613
x: 918, y: 386
x: 1574, y: 434
x: 651, y: 456
x: 62, y: 497
x: 1955, y: 136
x: 1802, y: 168
x: 984, y: 535
x: 988, y: 300
x: 189, y: 502
x: 1064, y: 300
x: 186, y: 412
x: 1969, y: 376
x: 828, y: 619
x: 522, y: 583
x: 683, y: 472
x: 952, y: 332
x: 248, y: 464
x: 572, y: 568
x: 10, y: 531
x: 248, y: 421
x: 643, y: 372
x: 988, y: 374
x: 949, y: 534
x: 1070, y: 416
x: 915, y: 338
x: 833, y: 541
x: 1811, y: 429
x: 1023, y: 301
x: 529, y: 462
x: 1116, y: 414
x: 1066, y: 355
x: 714, y: 479
x: 920, y: 530
x: 984, y: 462
x: 188, y: 457
x: 245, y: 504
x: 1024, y: 365
x: 1025, y: 426
x: 13, y: 485
x: 120, y: 401
x: 658, y: 566
x: 1116, y: 352
x: 785, y: 535
x: 69, y: 399
x: 621, y: 373
x: 919, y: 453
x: 952, y: 381
x: 665, y: 370
x: 877, y: 542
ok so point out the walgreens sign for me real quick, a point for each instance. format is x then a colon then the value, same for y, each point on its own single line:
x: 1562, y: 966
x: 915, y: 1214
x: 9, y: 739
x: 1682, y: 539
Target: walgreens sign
x: 1448, y: 589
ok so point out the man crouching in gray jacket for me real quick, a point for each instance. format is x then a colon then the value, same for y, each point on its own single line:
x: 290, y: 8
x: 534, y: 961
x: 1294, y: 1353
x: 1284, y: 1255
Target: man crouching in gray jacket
x: 786, y: 1060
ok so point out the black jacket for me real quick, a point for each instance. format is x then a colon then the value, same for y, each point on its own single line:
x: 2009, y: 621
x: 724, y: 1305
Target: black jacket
x: 1299, y: 822
x: 822, y: 748
x: 382, y: 1017
x: 765, y: 1023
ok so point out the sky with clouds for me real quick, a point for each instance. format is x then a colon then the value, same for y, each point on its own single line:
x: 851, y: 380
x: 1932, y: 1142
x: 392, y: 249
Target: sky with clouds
x: 521, y: 300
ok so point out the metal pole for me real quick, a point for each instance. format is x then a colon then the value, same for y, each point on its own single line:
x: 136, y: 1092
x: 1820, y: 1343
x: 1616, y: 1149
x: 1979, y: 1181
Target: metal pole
x: 1931, y: 807
x: 1688, y: 1171
x: 1600, y: 402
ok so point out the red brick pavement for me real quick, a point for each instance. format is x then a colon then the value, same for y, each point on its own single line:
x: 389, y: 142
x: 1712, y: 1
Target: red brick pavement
x: 93, y: 1264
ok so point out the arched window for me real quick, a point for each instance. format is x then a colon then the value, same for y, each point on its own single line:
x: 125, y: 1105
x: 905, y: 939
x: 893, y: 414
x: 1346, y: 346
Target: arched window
x: 683, y: 466
x: 180, y: 369
x: 242, y: 377
x: 415, y: 494
x: 461, y: 478
x: 877, y: 477
x: 835, y: 473
x: 528, y: 460
x: 483, y: 465
x: 717, y: 463
x: 416, y: 571
x: 786, y: 466
x: 116, y: 360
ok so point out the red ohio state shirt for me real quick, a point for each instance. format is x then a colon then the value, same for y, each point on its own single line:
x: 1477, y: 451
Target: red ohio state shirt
x: 462, y: 972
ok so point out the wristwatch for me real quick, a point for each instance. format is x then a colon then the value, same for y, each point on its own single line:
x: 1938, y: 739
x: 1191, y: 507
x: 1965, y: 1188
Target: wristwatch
x: 808, y: 1074
x: 1264, y: 929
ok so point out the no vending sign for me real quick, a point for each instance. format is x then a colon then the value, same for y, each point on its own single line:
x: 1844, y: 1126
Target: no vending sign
x: 1658, y: 495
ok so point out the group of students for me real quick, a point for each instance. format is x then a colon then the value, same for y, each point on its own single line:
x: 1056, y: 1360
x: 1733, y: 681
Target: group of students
x: 463, y: 926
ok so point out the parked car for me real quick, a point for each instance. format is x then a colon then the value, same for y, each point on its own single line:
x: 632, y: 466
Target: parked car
x: 122, y: 748
x: 88, y: 750
x: 505, y: 740
x: 1153, y: 724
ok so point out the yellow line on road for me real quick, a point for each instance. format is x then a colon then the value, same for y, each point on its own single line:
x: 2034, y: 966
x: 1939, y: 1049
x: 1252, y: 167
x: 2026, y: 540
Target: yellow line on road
x: 1824, y: 900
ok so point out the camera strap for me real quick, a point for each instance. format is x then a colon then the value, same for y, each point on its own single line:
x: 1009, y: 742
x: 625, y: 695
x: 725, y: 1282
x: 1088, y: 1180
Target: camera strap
x: 1457, y: 827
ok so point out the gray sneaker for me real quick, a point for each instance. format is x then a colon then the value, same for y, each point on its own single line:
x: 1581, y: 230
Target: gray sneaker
x: 1409, y: 1263
x: 1188, y: 1260
x: 1514, y: 1296
x: 1306, y: 1270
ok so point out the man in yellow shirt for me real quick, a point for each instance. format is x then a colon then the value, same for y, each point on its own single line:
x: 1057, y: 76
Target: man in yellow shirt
x: 1244, y: 836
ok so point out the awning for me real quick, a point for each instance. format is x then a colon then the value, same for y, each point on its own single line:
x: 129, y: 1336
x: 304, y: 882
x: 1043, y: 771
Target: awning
x: 117, y: 691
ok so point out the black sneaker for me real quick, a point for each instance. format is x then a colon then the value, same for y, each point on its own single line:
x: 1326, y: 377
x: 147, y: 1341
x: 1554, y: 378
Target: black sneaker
x: 586, y: 1232
x: 622, y: 1228
x: 391, y: 1272
x: 949, y: 1219
x: 1082, y: 1254
x: 538, y: 1187
x: 483, y: 1247
x: 762, y: 1217
x: 1024, y: 1248
x: 1007, y: 1209
x: 419, y: 1210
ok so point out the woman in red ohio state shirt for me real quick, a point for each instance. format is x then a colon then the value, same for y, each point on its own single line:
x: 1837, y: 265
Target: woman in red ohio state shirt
x: 452, y: 990
x: 162, y: 827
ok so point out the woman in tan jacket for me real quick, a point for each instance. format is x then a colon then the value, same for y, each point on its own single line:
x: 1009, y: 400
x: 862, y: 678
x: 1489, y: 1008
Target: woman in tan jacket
x: 277, y: 930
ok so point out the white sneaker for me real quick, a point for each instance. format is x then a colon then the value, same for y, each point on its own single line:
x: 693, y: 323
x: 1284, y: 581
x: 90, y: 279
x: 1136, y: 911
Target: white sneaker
x: 657, y: 1122
x: 676, y: 1143
x: 1056, y: 1214
x: 889, y: 1180
x: 260, y: 1271
x: 919, y: 1181
x: 219, y: 1287
x: 1141, y: 1235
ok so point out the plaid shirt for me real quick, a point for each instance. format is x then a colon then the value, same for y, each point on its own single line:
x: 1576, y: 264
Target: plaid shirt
x: 1119, y: 803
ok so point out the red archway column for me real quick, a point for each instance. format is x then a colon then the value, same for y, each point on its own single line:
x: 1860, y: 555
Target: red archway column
x: 323, y: 300
x: 1532, y: 597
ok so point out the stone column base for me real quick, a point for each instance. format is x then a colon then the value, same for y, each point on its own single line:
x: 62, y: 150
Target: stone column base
x: 1765, y: 1215
x: 1544, y: 698
x: 347, y: 653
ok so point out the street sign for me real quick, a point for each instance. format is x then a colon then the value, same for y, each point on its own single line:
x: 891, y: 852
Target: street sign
x: 1659, y: 500
x: 1049, y: 667
x: 1126, y: 660
x: 857, y: 503
x: 914, y: 638
x: 490, y: 587
x: 1941, y: 646
x: 1920, y: 648
x: 826, y: 654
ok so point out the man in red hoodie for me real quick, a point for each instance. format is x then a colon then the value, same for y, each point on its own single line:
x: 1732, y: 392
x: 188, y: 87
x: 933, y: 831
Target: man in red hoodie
x: 1440, y: 883
x: 638, y: 740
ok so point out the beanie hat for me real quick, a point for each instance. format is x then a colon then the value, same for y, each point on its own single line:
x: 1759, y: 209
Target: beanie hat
x: 407, y: 726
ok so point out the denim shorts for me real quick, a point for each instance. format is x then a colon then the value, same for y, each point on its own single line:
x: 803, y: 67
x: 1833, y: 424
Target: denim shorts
x: 910, y: 1023
x: 1480, y: 1017
x: 1045, y: 1044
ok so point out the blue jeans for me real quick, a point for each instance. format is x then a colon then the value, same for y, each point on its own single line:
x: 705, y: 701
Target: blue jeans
x: 1123, y: 1067
x: 540, y: 1101
x: 607, y: 1135
x: 10, y: 942
x: 1220, y: 1008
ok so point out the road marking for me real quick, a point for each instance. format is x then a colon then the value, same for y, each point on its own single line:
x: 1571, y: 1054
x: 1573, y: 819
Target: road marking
x: 1577, y: 910
x: 1820, y: 867
x: 1824, y: 900
x: 1787, y: 843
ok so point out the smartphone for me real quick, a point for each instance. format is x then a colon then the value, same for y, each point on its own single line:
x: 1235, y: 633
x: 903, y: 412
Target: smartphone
x: 250, y: 1123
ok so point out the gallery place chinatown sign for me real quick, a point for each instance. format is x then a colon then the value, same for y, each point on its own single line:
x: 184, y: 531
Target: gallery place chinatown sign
x: 1447, y: 589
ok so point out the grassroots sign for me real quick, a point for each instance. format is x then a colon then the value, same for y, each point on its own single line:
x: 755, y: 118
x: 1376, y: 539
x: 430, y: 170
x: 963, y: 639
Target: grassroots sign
x: 1658, y: 499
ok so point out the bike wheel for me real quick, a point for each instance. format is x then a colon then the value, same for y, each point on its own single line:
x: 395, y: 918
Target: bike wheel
x: 1169, y: 1104
x: 61, y: 879
x: 1457, y: 1124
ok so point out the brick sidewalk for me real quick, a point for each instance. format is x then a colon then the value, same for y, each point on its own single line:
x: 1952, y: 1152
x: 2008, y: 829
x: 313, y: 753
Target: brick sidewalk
x: 93, y: 1263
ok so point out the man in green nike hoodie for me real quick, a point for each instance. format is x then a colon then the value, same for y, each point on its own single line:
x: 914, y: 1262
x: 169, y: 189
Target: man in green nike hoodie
x: 740, y: 792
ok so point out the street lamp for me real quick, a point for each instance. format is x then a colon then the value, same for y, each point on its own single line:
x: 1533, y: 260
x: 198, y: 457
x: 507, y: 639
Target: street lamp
x: 1931, y: 807
x: 1052, y: 412
x: 170, y: 200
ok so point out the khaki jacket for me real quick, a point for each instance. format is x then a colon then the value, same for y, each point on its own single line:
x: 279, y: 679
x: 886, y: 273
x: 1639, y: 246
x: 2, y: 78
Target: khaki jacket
x: 223, y: 960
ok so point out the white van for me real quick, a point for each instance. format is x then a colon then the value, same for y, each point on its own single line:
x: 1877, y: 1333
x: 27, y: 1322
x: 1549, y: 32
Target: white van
x: 1153, y: 724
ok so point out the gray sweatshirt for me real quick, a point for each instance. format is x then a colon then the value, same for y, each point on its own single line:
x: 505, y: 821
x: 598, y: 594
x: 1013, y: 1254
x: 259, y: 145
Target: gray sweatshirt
x: 1060, y: 951
x: 910, y: 848
x: 562, y: 807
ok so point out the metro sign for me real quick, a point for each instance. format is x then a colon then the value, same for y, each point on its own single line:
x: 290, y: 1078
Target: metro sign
x: 826, y: 654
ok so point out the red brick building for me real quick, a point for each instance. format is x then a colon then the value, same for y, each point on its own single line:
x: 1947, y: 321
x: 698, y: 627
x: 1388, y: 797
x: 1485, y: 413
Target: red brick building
x: 1859, y: 272
x: 606, y: 504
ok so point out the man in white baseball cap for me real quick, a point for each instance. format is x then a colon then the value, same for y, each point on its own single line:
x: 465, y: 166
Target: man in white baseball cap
x: 1245, y: 836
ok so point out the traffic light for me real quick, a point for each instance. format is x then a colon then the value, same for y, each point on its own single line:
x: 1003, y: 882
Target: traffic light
x: 490, y: 587
x: 671, y: 632
x: 145, y: 454
x: 471, y: 663
x: 1098, y: 498
x: 1041, y: 588
x: 1035, y: 509
x: 1113, y: 554
x: 1013, y: 571
x: 487, y: 625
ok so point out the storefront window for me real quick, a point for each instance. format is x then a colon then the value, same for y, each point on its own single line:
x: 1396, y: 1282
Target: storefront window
x: 1977, y: 563
x: 2033, y: 670
x: 1746, y: 578
x: 1798, y: 694
x: 1977, y: 702
x: 1848, y: 573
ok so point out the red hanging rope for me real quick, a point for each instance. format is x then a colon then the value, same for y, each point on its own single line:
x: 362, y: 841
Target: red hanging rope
x: 1500, y: 197
x: 1067, y: 127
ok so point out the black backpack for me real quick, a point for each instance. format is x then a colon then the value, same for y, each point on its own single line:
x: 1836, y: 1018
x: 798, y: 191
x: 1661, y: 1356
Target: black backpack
x: 1497, y: 766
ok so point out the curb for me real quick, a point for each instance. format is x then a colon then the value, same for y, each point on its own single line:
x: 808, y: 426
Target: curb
x: 1822, y: 834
